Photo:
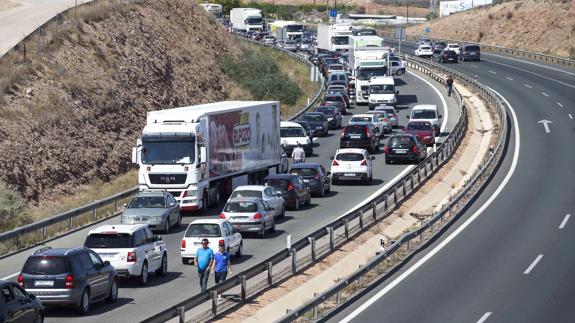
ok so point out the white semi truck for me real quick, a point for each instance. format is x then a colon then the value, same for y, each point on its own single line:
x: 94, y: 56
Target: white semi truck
x: 201, y: 153
x: 246, y: 19
x: 367, y: 58
x: 333, y: 37
x: 291, y: 29
x: 213, y: 8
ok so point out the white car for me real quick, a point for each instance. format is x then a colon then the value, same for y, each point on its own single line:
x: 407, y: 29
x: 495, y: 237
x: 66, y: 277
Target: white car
x: 378, y: 124
x: 292, y: 133
x: 454, y: 47
x: 131, y: 248
x: 269, y: 40
x: 352, y: 164
x: 217, y: 231
x: 424, y: 51
x: 267, y: 193
x: 426, y: 112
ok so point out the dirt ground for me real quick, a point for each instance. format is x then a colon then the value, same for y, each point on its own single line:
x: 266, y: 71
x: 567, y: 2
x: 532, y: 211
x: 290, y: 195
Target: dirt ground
x: 6, y: 4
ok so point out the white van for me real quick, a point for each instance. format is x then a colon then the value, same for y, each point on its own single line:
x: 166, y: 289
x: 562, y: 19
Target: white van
x: 382, y: 91
x: 426, y: 112
x: 291, y: 133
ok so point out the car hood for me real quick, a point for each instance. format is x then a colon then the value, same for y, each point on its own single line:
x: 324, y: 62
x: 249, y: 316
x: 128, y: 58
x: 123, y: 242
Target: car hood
x: 143, y: 211
x: 314, y: 124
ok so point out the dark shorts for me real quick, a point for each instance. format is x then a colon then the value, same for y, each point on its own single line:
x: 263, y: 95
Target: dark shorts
x: 220, y: 276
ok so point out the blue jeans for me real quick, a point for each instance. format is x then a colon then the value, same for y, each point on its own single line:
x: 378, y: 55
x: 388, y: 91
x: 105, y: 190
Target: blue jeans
x: 204, y: 274
x: 220, y: 276
x: 449, y: 89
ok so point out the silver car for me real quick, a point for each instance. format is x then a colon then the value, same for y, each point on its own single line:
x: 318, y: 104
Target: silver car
x: 267, y: 193
x: 383, y: 119
x: 250, y: 214
x: 391, y: 113
x: 159, y: 210
x: 290, y: 45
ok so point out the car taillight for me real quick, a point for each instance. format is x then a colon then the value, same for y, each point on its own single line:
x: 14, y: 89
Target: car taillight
x: 183, y: 244
x: 69, y: 281
x: 384, y: 119
x: 343, y: 132
x: 257, y: 216
x: 414, y: 149
x: 132, y: 256
x: 367, y: 132
x: 290, y: 187
x: 317, y: 177
x: 386, y: 149
x: 21, y: 280
x: 363, y: 163
x: 334, y: 163
x: 222, y: 216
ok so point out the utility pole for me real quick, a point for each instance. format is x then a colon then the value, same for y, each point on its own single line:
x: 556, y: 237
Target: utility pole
x: 407, y: 22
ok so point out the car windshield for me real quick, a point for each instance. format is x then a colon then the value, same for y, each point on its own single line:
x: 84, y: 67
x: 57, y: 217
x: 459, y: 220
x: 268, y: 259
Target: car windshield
x: 334, y: 98
x: 108, y: 240
x: 38, y: 265
x: 165, y: 150
x: 453, y: 46
x: 361, y: 119
x: 246, y: 193
x: 241, y: 207
x: 425, y: 47
x: 277, y: 183
x: 355, y: 129
x: 381, y: 89
x: 349, y: 157
x: 472, y: 47
x: 336, y: 67
x: 367, y: 73
x: 147, y: 202
x: 423, y: 114
x: 286, y: 132
x: 254, y: 21
x: 401, y: 141
x: 340, y: 40
x: 294, y: 28
x: 418, y: 126
x: 314, y: 117
x: 203, y: 230
x: 304, y: 171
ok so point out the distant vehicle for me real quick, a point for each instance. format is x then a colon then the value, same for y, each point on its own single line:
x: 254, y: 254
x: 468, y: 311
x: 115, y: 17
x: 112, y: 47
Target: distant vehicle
x: 317, y: 122
x: 132, y: 249
x: 364, y: 31
x: 448, y: 56
x: 339, y: 89
x: 426, y: 112
x: 352, y: 164
x: 291, y: 134
x: 17, y: 305
x: 391, y: 113
x: 405, y: 147
x: 424, y: 41
x: 471, y: 53
x: 333, y: 37
x: 454, y: 47
x: 269, y: 40
x: 217, y: 231
x: 304, y: 44
x: 424, y: 51
x: 214, y: 9
x: 423, y: 130
x: 372, y: 118
x: 335, y: 68
x: 69, y: 276
x: 382, y: 91
x: 290, y: 45
x: 384, y: 123
x: 246, y: 19
x: 336, y: 100
x: 292, y: 188
x: 250, y: 214
x: 337, y: 76
x: 332, y: 114
x: 360, y: 135
x: 157, y: 209
x: 314, y: 175
x: 439, y: 46
x: 267, y: 193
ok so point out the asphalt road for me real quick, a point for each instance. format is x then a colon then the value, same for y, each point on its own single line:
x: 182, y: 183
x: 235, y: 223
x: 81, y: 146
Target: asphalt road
x: 510, y: 258
x: 136, y: 303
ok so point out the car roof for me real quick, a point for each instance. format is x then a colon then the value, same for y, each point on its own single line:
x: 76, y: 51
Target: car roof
x: 280, y: 176
x: 312, y: 113
x: 289, y: 124
x: 48, y: 251
x: 350, y: 150
x: 251, y: 187
x: 359, y: 123
x: 362, y: 115
x: 208, y: 221
x: 424, y: 107
x: 402, y: 134
x: 305, y: 165
x: 151, y: 193
x: 245, y: 199
x: 119, y: 228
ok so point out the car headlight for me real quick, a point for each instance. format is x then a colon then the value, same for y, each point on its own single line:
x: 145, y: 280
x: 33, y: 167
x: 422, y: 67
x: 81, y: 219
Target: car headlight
x: 156, y: 218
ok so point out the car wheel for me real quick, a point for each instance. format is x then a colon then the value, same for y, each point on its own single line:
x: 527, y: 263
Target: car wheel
x: 308, y: 203
x: 179, y: 223
x: 143, y: 278
x: 239, y: 252
x: 84, y: 306
x: 263, y: 231
x: 329, y: 188
x: 113, y: 297
x: 163, y: 270
x: 283, y: 215
x: 296, y: 206
x: 185, y: 261
x: 39, y: 318
x: 273, y: 228
x: 167, y: 226
x: 322, y: 192
x: 400, y: 72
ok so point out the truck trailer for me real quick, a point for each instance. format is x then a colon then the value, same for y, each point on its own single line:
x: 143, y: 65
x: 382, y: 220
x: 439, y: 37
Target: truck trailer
x: 246, y: 19
x: 367, y: 58
x: 201, y: 153
x: 333, y: 37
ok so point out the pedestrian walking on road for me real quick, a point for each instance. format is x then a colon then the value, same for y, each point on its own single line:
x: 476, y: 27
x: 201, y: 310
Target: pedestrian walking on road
x: 204, y: 260
x: 298, y: 154
x: 449, y: 85
x: 222, y: 265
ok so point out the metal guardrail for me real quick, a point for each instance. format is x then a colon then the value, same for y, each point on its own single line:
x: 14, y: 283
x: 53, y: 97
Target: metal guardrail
x: 442, y: 219
x: 306, y: 251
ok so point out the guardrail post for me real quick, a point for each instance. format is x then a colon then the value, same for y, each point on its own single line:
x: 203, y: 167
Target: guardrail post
x: 374, y: 210
x: 44, y: 232
x: 312, y: 245
x: 181, y: 314
x: 331, y: 240
x: 115, y: 206
x: 243, y: 288
x: 346, y: 227
x: 314, y: 311
x: 70, y: 223
x: 408, y: 245
x: 360, y: 279
x: 338, y: 293
x: 214, y: 295
x: 270, y: 273
x: 94, y: 214
x: 293, y: 262
x: 360, y: 214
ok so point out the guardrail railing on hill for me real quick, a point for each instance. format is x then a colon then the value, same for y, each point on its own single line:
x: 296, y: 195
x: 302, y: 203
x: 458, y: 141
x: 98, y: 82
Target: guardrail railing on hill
x: 304, y: 252
x: 334, y: 296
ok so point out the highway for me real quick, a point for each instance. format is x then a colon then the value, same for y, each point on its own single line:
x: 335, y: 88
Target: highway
x: 511, y: 256
x: 137, y: 303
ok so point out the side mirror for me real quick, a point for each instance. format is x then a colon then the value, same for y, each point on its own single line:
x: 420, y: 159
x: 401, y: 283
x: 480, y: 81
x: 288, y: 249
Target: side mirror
x: 172, y: 204
x: 106, y: 263
x: 125, y: 204
x: 279, y: 194
x: 135, y: 155
x: 328, y: 174
x: 440, y: 116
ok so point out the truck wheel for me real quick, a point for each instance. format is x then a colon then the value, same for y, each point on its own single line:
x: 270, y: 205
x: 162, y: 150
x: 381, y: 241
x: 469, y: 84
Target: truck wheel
x: 400, y: 72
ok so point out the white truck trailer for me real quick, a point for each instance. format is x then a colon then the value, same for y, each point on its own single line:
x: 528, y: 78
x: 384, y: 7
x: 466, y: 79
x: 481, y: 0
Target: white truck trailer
x: 333, y: 37
x: 201, y: 153
x: 246, y: 19
x: 291, y: 29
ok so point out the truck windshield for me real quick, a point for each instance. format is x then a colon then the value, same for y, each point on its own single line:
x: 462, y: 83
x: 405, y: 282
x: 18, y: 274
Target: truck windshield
x: 254, y: 21
x: 366, y: 74
x: 340, y: 40
x: 381, y: 89
x: 294, y: 28
x: 168, y: 151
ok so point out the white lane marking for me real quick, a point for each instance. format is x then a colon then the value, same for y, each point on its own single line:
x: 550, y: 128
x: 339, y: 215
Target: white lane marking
x: 484, y: 317
x: 527, y: 85
x: 570, y: 116
x: 408, y: 168
x: 474, y: 65
x: 526, y: 62
x: 492, y: 72
x: 510, y: 79
x: 10, y: 276
x: 544, y: 94
x: 564, y: 222
x: 533, y: 73
x: 559, y: 104
x: 545, y: 124
x: 455, y: 233
x: 533, y: 264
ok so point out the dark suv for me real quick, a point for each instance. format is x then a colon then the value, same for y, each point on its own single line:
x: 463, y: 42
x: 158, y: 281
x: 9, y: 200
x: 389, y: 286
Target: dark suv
x: 17, y: 305
x: 360, y: 135
x: 63, y: 276
x: 470, y: 53
x: 405, y: 147
x: 448, y: 56
x: 291, y: 187
x: 314, y: 175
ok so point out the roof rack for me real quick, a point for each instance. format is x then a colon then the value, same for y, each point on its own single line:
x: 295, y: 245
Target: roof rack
x: 41, y: 250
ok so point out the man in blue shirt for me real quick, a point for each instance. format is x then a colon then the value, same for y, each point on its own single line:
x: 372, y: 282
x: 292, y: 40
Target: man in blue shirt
x: 204, y: 260
x: 221, y: 264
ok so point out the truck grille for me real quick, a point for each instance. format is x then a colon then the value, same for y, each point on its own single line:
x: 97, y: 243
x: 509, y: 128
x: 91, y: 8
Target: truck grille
x: 365, y: 87
x: 167, y: 178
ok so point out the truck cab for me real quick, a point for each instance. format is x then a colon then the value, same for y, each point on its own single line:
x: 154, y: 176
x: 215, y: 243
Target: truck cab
x: 382, y: 91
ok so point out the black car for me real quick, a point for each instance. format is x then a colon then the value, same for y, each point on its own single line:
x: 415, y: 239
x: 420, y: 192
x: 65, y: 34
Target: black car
x: 317, y: 123
x: 17, y: 305
x: 314, y: 175
x: 332, y: 114
x: 291, y: 187
x: 439, y: 46
x: 360, y: 135
x: 470, y: 53
x: 69, y: 276
x: 405, y: 147
x: 448, y: 56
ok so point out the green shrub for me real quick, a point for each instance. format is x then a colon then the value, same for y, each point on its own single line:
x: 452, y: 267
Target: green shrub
x: 12, y: 209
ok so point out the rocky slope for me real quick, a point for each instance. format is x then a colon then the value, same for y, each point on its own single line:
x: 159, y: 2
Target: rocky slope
x: 77, y: 117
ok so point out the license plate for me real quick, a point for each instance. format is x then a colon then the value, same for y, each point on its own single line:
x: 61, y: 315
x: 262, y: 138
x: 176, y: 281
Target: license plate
x: 400, y: 151
x: 44, y: 283
x: 355, y: 136
x: 106, y: 256
x: 306, y: 180
x: 349, y: 174
x: 197, y: 243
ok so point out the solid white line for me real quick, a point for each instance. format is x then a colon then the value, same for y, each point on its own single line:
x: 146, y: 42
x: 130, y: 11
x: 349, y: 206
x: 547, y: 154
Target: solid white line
x: 533, y: 264
x: 544, y: 94
x: 484, y: 317
x: 492, y: 72
x: 570, y: 116
x: 527, y: 85
x: 510, y: 79
x: 559, y: 104
x: 10, y: 276
x: 527, y: 62
x: 474, y: 65
x: 564, y: 222
x: 455, y: 233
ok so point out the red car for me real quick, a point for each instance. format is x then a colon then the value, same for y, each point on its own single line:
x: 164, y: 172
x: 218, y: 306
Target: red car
x: 423, y: 130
